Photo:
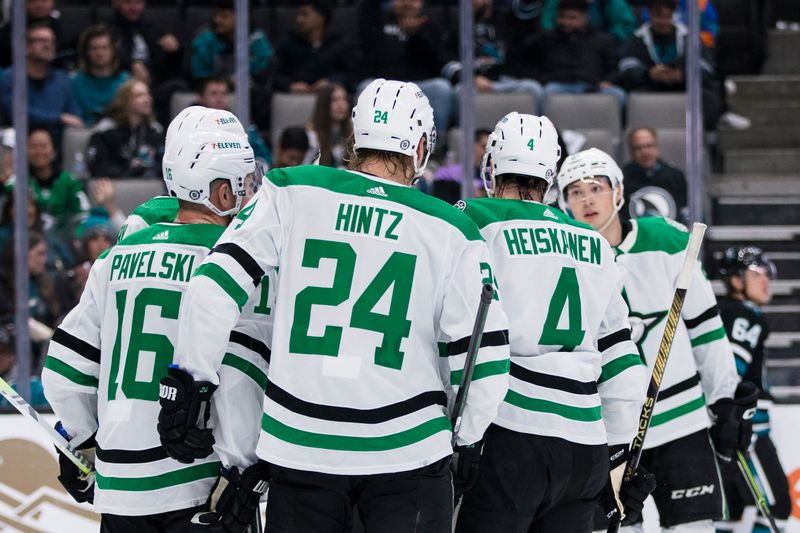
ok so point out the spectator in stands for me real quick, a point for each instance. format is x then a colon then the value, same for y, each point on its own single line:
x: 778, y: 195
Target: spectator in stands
x: 654, y: 60
x: 41, y: 12
x: 709, y: 20
x: 575, y: 58
x: 448, y: 178
x: 98, y: 77
x: 213, y: 55
x: 402, y: 44
x: 151, y: 56
x: 60, y: 198
x: 292, y: 148
x: 51, y: 103
x: 59, y: 254
x: 44, y: 292
x: 330, y: 127
x: 214, y: 93
x: 497, y: 67
x: 312, y: 57
x: 651, y: 181
x: 213, y: 49
x: 613, y: 16
x: 129, y: 142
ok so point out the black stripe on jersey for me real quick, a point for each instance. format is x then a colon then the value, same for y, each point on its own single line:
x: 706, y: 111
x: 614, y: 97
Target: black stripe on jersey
x: 615, y: 338
x: 553, y: 382
x: 678, y: 388
x: 708, y: 314
x: 490, y: 338
x: 237, y: 337
x: 244, y: 259
x: 131, y: 456
x: 82, y: 348
x: 350, y: 414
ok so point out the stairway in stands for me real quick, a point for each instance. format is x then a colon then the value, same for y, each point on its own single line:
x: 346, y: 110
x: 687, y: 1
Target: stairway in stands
x: 757, y: 199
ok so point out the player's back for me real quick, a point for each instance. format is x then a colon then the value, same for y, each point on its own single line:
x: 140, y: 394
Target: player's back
x: 371, y: 279
x: 557, y: 278
x: 139, y: 289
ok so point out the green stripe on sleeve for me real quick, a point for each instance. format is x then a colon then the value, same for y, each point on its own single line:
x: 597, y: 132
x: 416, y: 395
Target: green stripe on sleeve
x: 666, y: 416
x: 160, y: 481
x: 711, y: 336
x: 60, y: 367
x: 619, y: 365
x: 247, y: 368
x: 581, y: 414
x: 482, y: 370
x: 219, y: 276
x: 354, y: 444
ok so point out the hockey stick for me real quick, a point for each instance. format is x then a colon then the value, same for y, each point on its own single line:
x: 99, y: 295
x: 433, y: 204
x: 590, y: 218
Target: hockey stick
x: 56, y: 438
x: 472, y: 354
x: 674, y: 315
x: 755, y: 490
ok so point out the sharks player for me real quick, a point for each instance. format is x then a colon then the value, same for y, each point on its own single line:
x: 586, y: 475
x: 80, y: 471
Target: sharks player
x: 747, y: 273
x: 576, y: 382
x: 373, y: 275
x: 107, y: 357
x: 700, y: 374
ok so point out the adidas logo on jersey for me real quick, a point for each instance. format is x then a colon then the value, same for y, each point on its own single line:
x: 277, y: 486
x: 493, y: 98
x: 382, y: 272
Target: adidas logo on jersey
x: 550, y: 214
x: 377, y: 191
x: 163, y: 236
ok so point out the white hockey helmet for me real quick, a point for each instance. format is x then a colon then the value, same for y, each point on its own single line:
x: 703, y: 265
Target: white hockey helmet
x: 521, y: 144
x: 585, y: 166
x: 392, y: 116
x: 199, y: 158
x: 197, y: 117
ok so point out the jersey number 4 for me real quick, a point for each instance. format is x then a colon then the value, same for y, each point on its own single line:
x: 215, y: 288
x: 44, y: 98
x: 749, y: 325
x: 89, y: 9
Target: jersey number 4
x: 396, y: 274
x: 168, y: 304
x: 567, y: 294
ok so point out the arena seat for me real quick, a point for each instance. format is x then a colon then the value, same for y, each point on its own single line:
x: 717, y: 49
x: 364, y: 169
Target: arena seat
x: 133, y: 192
x: 491, y: 107
x: 179, y: 101
x: 75, y: 140
x: 657, y: 110
x: 600, y: 139
x: 290, y: 110
x: 584, y: 111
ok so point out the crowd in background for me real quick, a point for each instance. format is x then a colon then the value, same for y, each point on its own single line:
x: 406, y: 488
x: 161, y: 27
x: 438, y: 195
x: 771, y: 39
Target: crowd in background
x: 119, y: 77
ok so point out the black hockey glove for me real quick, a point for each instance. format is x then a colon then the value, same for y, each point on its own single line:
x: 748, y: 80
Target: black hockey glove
x: 733, y: 421
x: 617, y: 457
x: 182, y: 422
x: 634, y: 493
x: 233, y: 503
x: 464, y: 466
x: 76, y: 483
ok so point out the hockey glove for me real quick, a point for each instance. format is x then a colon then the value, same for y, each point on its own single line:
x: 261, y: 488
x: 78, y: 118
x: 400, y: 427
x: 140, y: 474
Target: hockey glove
x: 79, y: 485
x: 733, y: 421
x: 185, y: 410
x: 234, y: 500
x: 464, y: 466
x: 609, y: 498
x: 634, y: 493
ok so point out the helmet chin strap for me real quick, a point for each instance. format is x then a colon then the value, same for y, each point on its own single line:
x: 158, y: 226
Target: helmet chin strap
x: 230, y: 212
x: 613, y: 214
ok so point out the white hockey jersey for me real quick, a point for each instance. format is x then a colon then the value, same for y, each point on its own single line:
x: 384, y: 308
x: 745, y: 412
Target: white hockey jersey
x: 575, y: 374
x: 373, y: 275
x: 700, y: 369
x: 246, y: 357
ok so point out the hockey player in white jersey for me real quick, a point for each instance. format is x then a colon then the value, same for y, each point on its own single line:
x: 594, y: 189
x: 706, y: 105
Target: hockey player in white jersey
x: 107, y: 357
x: 700, y: 375
x: 373, y: 275
x: 576, y: 381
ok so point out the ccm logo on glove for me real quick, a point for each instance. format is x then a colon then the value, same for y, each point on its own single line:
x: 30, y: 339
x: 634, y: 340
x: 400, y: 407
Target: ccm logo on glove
x: 168, y: 393
x: 692, y: 492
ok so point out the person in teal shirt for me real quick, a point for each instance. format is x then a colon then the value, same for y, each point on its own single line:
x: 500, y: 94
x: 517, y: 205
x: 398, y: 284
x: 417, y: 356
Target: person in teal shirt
x: 614, y: 16
x: 212, y: 50
x: 98, y: 77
